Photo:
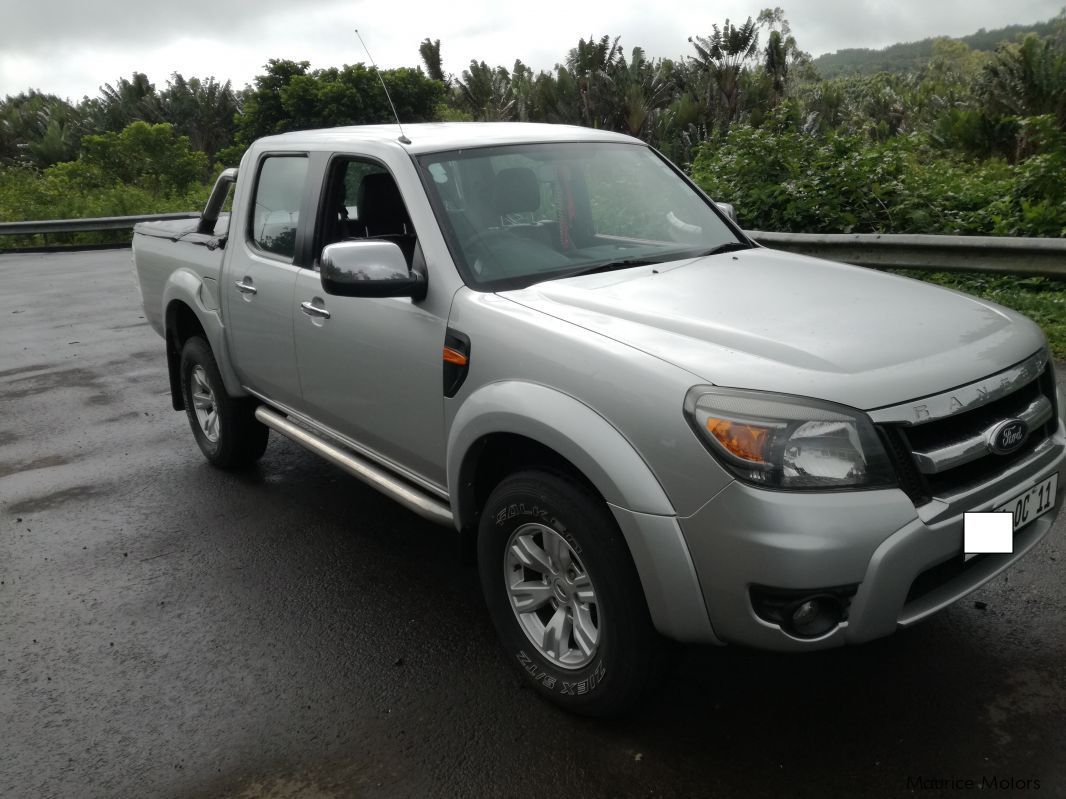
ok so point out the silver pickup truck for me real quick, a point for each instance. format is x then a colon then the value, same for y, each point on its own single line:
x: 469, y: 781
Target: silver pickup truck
x: 550, y: 340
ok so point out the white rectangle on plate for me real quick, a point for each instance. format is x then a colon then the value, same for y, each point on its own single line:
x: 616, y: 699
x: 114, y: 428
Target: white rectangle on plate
x: 987, y: 532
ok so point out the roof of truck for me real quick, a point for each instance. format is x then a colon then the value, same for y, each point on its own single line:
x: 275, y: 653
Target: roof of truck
x: 436, y: 136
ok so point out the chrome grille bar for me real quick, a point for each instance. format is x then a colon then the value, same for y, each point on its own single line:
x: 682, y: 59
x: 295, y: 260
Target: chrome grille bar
x: 957, y: 453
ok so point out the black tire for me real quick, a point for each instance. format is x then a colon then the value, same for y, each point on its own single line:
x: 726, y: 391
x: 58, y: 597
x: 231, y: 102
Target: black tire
x: 622, y: 662
x: 237, y: 438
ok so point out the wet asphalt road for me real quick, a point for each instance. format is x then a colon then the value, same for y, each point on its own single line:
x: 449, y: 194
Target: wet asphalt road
x: 167, y: 629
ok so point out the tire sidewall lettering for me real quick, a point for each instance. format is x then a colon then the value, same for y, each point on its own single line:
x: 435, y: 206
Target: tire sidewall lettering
x: 519, y: 510
x: 551, y: 681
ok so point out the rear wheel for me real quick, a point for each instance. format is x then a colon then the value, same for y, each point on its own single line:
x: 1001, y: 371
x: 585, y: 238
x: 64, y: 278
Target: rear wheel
x: 225, y: 427
x: 564, y: 595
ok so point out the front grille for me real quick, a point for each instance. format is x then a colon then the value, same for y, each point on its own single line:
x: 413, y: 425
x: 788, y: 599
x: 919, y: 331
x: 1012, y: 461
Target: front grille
x: 903, y: 441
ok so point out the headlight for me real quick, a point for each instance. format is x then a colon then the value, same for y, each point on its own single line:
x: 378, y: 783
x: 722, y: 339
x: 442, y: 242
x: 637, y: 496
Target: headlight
x: 781, y: 441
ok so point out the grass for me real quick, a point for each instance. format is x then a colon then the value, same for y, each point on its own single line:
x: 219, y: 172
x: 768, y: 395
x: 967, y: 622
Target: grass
x: 1042, y: 299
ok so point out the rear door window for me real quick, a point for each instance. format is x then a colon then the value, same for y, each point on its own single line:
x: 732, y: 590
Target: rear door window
x: 279, y: 192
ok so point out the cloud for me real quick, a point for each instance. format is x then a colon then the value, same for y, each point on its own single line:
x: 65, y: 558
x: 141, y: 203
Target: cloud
x: 72, y: 48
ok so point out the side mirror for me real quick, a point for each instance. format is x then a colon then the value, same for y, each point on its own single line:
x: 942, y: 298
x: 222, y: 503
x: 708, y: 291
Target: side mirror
x: 728, y: 210
x: 369, y: 268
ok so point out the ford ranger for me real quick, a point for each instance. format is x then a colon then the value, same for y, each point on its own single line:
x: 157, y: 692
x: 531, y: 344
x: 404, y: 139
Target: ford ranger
x: 550, y: 340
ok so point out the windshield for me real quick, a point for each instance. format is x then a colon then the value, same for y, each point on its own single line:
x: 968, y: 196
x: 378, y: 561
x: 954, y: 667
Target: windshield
x: 517, y: 215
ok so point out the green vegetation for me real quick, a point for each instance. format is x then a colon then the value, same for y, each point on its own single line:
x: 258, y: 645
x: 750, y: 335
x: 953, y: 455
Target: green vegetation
x: 942, y: 136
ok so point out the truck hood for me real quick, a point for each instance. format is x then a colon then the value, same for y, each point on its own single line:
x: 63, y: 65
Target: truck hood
x: 775, y: 321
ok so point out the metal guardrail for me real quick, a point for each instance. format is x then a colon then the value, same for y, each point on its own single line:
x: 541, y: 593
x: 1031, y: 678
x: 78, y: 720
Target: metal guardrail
x: 1021, y: 256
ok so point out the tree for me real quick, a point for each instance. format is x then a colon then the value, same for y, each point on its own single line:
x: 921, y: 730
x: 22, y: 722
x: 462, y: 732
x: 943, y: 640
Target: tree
x: 641, y: 89
x: 203, y: 110
x: 264, y: 113
x: 486, y: 92
x: 39, y: 129
x: 125, y: 102
x: 721, y: 56
x: 589, y: 63
x: 1028, y: 79
x: 153, y: 157
x: 289, y: 97
x: 430, y: 52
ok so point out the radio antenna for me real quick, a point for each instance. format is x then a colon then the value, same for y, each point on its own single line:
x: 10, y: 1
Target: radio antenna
x: 403, y: 137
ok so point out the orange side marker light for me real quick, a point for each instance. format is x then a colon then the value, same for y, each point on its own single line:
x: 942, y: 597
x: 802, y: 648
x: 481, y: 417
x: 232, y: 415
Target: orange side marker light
x: 454, y: 356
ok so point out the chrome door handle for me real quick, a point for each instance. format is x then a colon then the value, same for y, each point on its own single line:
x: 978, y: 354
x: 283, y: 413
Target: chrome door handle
x: 245, y: 288
x: 314, y: 310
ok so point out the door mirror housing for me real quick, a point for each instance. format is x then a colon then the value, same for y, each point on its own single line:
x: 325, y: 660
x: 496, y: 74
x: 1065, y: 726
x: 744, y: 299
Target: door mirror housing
x: 369, y: 268
x: 728, y: 210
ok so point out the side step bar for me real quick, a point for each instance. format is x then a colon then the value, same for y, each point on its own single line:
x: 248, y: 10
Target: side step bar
x: 374, y: 476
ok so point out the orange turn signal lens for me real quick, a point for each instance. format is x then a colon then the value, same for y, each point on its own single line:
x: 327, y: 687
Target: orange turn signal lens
x: 745, y: 441
x: 454, y: 356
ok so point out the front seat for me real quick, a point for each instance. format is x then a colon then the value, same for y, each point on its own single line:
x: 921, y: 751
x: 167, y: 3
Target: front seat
x: 515, y: 191
x: 383, y: 214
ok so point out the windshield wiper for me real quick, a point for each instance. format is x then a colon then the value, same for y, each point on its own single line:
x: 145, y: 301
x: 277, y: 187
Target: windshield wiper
x: 610, y: 266
x: 729, y: 246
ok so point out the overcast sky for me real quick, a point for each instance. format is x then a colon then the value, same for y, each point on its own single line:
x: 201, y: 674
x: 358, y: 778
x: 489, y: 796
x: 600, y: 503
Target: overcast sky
x: 72, y: 47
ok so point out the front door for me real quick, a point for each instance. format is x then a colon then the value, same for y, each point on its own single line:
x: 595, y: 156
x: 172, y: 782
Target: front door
x: 371, y: 368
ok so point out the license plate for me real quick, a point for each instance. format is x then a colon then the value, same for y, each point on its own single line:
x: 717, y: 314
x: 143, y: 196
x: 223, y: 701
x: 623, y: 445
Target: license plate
x: 1037, y: 501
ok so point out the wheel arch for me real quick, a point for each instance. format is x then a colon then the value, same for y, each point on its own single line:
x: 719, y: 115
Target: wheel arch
x: 185, y: 315
x: 512, y: 418
x: 509, y: 425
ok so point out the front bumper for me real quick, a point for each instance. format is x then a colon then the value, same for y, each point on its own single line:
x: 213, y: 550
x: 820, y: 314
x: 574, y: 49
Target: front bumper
x: 876, y: 539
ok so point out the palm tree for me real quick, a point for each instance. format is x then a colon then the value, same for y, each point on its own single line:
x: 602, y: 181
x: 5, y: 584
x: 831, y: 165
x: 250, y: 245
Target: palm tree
x: 721, y: 57
x: 40, y: 128
x: 430, y: 52
x: 589, y: 64
x: 203, y: 110
x: 487, y: 92
x: 1028, y: 80
x: 125, y: 102
x: 641, y: 89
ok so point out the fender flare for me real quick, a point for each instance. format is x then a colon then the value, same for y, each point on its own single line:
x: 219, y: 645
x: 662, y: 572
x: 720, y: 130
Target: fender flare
x: 563, y: 424
x: 186, y: 287
x: 636, y: 499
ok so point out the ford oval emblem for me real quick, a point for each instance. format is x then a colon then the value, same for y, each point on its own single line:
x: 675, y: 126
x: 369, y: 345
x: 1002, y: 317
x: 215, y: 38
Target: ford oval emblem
x: 1007, y: 436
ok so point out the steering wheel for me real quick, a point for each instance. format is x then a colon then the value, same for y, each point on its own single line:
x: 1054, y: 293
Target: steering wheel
x: 482, y: 238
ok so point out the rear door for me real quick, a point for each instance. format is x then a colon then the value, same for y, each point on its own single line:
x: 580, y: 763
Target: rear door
x: 261, y: 279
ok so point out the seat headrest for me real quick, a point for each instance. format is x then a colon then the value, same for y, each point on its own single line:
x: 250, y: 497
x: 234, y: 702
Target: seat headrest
x: 380, y: 205
x: 515, y: 190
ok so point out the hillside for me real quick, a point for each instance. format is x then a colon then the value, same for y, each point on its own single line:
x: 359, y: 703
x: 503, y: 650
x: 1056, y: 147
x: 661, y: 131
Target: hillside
x: 911, y: 56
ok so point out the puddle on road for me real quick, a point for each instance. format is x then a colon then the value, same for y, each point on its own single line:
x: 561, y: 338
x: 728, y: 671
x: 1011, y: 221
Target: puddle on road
x: 1031, y: 696
x: 286, y: 788
x: 28, y: 466
x: 55, y: 499
x: 21, y: 370
x: 75, y: 377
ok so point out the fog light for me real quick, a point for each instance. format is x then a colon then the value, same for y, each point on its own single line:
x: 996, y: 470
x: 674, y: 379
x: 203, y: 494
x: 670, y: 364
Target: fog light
x: 805, y: 613
x: 801, y: 613
x: 814, y: 616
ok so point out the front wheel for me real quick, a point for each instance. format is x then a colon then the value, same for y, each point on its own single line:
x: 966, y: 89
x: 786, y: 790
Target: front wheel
x: 564, y: 594
x: 225, y: 427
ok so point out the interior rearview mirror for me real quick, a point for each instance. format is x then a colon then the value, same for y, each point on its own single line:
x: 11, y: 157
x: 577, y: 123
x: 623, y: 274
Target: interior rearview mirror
x: 369, y: 268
